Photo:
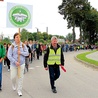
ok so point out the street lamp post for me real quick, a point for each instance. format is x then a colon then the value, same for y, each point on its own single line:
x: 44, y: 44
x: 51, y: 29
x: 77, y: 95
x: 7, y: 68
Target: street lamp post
x: 37, y: 33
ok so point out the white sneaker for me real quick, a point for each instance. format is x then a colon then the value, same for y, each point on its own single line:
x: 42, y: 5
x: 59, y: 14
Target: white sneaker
x: 4, y: 66
x: 8, y: 70
x: 19, y: 93
x: 14, y: 87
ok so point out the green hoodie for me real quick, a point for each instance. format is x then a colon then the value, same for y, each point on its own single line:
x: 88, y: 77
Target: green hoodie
x: 2, y: 51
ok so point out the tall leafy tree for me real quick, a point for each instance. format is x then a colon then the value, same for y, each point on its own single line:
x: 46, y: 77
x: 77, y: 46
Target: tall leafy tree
x: 91, y: 26
x: 45, y: 35
x: 24, y: 34
x: 71, y: 10
x: 69, y: 37
x: 6, y: 40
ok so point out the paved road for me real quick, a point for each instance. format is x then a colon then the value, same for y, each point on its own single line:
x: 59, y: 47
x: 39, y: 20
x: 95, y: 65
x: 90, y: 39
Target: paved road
x: 79, y: 81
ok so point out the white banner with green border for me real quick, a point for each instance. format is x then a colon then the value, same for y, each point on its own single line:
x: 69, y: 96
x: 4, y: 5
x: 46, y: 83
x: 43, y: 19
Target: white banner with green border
x: 19, y: 15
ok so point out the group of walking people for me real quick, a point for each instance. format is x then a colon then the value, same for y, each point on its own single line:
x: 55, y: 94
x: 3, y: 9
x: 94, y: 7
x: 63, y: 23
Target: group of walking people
x: 18, y: 52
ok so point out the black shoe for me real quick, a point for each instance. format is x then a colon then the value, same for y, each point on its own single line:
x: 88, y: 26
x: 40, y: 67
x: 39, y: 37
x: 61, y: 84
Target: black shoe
x: 54, y: 90
x: 27, y: 69
x: 0, y: 89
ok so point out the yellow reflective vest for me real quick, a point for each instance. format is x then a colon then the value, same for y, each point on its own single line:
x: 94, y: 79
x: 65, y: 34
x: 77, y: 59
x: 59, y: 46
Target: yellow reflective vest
x: 54, y: 57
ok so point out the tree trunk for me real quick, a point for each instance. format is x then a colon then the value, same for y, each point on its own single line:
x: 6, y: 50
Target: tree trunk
x: 80, y: 35
x: 74, y: 36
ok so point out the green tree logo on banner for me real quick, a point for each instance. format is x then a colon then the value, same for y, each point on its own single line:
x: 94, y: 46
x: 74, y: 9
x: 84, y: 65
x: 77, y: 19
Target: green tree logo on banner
x: 19, y: 16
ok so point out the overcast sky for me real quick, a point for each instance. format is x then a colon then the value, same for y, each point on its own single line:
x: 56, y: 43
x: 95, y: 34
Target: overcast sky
x: 45, y: 14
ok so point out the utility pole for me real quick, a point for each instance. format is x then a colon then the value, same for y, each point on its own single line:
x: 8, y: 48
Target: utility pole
x: 47, y: 30
x: 37, y: 29
x: 37, y: 33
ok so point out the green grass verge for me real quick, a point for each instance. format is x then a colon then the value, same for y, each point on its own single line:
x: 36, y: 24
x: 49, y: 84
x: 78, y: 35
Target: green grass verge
x: 84, y: 58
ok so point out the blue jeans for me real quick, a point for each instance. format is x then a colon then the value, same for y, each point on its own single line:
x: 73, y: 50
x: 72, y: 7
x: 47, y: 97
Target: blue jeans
x: 54, y: 73
x: 0, y: 75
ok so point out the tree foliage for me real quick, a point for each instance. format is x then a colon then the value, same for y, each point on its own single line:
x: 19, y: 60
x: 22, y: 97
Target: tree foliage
x: 69, y: 37
x: 79, y: 13
x: 42, y: 37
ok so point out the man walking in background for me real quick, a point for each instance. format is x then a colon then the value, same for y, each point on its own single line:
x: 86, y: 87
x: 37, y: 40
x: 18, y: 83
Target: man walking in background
x: 27, y: 57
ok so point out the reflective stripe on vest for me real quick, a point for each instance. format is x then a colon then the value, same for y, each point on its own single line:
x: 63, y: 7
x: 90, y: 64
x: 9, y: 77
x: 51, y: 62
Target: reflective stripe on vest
x: 54, y: 58
x: 37, y: 46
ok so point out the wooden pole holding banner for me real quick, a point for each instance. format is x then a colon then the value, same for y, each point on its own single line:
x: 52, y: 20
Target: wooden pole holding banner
x: 19, y: 55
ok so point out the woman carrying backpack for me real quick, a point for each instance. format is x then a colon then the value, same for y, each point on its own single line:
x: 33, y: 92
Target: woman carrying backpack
x: 17, y: 49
